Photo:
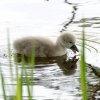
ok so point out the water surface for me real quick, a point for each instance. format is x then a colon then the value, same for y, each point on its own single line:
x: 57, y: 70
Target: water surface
x: 46, y: 18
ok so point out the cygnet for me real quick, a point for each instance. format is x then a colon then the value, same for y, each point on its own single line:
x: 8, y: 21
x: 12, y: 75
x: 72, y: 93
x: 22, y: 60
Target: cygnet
x: 43, y: 47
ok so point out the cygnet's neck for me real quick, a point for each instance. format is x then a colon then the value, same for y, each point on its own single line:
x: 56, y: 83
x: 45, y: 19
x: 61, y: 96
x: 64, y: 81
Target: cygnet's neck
x: 60, y: 49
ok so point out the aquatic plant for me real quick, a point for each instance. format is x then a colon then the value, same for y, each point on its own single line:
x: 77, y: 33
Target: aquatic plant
x: 83, y: 68
x: 19, y: 77
x: 2, y: 84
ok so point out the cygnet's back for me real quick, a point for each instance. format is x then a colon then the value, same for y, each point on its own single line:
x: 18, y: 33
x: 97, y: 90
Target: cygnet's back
x: 43, y: 47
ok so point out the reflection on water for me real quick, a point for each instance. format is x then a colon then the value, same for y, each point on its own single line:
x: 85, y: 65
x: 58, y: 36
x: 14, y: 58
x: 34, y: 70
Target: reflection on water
x: 67, y: 66
x: 49, y: 75
x: 57, y: 76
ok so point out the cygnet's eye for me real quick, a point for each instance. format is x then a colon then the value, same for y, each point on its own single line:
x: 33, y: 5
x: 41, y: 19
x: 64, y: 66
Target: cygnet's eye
x: 70, y: 42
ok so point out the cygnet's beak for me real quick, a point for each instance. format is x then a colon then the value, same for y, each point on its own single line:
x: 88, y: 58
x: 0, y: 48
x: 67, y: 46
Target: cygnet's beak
x: 74, y: 48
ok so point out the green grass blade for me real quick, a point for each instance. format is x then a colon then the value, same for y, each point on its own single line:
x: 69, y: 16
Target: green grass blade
x: 16, y: 65
x: 19, y: 81
x: 19, y: 89
x: 83, y: 68
x: 31, y: 65
x: 3, y: 85
x: 9, y: 53
x: 26, y: 78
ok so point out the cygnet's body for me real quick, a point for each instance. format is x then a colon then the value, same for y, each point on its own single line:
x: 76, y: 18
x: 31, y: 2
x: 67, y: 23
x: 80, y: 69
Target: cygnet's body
x: 44, y: 47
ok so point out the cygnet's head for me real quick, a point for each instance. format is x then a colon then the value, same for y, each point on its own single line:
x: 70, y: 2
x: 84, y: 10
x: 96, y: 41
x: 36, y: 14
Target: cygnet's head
x: 67, y: 40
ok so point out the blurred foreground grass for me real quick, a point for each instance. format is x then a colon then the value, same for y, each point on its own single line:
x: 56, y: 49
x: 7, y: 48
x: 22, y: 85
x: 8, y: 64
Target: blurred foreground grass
x: 83, y: 81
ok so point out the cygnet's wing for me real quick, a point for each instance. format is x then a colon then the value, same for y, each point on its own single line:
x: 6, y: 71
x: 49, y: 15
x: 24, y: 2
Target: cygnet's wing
x: 42, y: 46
